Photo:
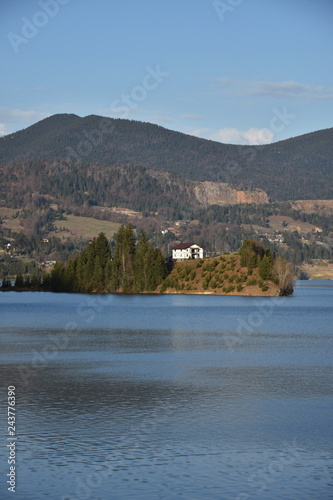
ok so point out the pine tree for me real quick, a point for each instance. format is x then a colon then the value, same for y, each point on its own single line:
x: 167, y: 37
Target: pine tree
x: 98, y: 274
x: 265, y: 267
x: 141, y: 263
x: 123, y: 277
x: 57, y: 278
x: 102, y: 249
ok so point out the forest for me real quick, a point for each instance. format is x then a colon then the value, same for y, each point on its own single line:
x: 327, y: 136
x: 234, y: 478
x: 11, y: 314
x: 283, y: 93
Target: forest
x: 132, y: 266
x: 297, y: 168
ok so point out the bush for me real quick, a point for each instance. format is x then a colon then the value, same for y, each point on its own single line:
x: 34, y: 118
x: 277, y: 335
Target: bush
x: 19, y: 282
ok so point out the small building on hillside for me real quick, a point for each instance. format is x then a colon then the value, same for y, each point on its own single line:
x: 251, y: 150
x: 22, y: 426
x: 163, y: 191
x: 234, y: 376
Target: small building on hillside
x: 187, y: 251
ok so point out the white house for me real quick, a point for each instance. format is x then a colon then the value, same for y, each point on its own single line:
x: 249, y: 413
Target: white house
x: 186, y: 251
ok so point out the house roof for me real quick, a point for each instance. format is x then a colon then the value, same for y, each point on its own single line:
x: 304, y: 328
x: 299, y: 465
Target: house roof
x: 183, y: 246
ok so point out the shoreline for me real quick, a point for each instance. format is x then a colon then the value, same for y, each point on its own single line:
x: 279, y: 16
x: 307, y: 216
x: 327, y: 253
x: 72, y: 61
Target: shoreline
x: 254, y: 293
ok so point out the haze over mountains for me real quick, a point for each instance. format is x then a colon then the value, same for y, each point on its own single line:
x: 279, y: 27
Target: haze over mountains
x: 297, y: 168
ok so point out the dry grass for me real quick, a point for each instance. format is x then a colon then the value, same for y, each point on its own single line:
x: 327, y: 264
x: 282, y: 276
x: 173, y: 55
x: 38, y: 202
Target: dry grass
x: 314, y: 206
x: 189, y: 277
x: 276, y: 222
x: 319, y: 270
x: 9, y: 220
x: 85, y: 227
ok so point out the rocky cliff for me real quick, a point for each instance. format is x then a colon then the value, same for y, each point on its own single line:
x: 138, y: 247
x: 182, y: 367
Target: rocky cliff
x: 216, y: 193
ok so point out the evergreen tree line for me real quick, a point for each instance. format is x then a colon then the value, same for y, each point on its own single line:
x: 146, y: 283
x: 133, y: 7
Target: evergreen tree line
x: 131, y: 267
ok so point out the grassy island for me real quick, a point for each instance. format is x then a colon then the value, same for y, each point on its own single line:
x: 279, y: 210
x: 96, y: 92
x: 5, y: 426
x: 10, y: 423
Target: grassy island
x: 135, y: 266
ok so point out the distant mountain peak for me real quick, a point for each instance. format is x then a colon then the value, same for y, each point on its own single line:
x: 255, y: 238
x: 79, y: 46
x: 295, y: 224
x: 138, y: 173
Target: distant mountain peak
x: 297, y: 168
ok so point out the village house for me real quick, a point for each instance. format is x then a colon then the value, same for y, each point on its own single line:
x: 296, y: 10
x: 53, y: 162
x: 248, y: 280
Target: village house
x: 187, y: 251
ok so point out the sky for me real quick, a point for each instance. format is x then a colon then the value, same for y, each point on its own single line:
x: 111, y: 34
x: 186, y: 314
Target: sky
x: 234, y: 71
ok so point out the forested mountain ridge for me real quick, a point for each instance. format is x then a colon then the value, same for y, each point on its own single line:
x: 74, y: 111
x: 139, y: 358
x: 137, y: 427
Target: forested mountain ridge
x: 136, y: 187
x: 297, y: 168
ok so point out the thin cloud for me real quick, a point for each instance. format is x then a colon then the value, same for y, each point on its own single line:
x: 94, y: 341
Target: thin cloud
x: 286, y: 90
x: 162, y: 117
x: 190, y: 116
x: 199, y: 132
x: 18, y: 115
x: 3, y: 129
x: 252, y: 137
x: 16, y: 119
x: 187, y: 99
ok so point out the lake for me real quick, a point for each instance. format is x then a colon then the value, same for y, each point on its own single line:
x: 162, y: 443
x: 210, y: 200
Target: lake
x: 169, y: 396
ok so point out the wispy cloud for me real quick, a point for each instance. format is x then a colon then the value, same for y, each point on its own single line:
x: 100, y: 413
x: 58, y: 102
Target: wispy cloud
x: 3, y: 129
x: 286, y: 90
x: 187, y: 99
x: 18, y: 115
x: 199, y: 132
x: 119, y: 111
x: 189, y: 116
x: 148, y: 115
x: 160, y: 116
x: 16, y: 119
x: 253, y: 136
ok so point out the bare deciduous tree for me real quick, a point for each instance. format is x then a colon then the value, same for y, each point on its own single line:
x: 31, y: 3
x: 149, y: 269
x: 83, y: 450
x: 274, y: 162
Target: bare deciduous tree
x: 284, y: 276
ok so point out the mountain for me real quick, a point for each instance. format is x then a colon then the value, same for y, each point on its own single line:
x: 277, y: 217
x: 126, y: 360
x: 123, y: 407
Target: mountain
x: 37, y: 183
x: 297, y: 168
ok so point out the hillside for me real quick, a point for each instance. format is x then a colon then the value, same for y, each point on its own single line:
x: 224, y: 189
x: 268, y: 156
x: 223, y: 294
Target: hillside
x: 297, y: 168
x: 135, y: 187
x: 218, y: 275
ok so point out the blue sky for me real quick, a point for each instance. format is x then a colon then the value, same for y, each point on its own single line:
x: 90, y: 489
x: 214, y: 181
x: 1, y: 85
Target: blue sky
x: 236, y: 71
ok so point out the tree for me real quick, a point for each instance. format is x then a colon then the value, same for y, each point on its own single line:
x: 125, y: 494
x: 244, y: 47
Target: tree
x: 141, y: 263
x: 251, y: 253
x: 265, y: 267
x: 123, y: 271
x: 284, y: 276
x: 34, y: 281
x: 57, y: 278
x: 133, y: 269
x: 19, y: 282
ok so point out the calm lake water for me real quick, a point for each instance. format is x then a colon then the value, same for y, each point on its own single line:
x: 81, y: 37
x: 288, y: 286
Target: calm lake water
x: 165, y: 397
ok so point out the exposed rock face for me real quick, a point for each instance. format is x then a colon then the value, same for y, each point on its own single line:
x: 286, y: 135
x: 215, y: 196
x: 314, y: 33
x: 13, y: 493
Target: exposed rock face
x: 216, y: 193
